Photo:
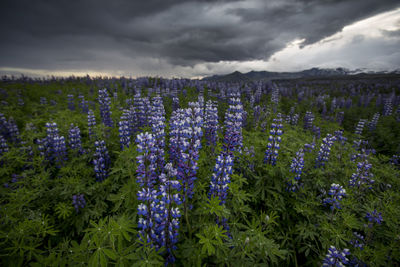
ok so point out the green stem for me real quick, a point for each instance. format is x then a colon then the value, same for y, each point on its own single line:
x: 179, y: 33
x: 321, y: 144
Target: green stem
x: 187, y: 217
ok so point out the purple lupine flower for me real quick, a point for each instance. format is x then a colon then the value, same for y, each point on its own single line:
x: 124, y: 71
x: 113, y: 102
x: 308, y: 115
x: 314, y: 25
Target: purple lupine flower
x: 101, y: 160
x: 141, y: 110
x: 374, y: 217
x: 309, y: 147
x: 233, y: 139
x: 13, y: 132
x: 372, y: 124
x: 3, y: 146
x: 308, y: 120
x: 297, y: 168
x: 175, y: 103
x: 363, y: 176
x: 387, y: 107
x: 21, y: 102
x: 190, y: 148
x: 75, y: 138
x: 274, y: 139
x: 59, y: 150
x: 211, y: 124
x: 177, y: 138
x: 43, y: 100
x: 91, y: 123
x: 256, y: 114
x: 124, y: 131
x: 221, y: 177
x: 275, y: 97
x: 358, y: 241
x: 360, y: 126
x: 339, y: 136
x: 71, y: 102
x: 146, y: 171
x: 395, y: 160
x: 105, y: 107
x: 340, y: 117
x: 147, y: 210
x: 157, y: 118
x: 53, y: 146
x: 3, y: 126
x: 83, y: 104
x: 325, y: 150
x: 317, y: 131
x: 335, y: 195
x: 335, y: 257
x: 78, y: 201
x: 168, y: 212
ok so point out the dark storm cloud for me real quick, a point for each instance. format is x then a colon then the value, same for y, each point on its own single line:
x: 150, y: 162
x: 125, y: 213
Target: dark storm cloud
x: 100, y: 35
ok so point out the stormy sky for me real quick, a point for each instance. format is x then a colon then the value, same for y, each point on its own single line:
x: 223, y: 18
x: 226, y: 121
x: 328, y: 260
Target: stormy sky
x: 196, y: 38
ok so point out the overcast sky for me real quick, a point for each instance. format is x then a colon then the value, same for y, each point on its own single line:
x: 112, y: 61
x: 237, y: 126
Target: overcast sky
x: 196, y: 38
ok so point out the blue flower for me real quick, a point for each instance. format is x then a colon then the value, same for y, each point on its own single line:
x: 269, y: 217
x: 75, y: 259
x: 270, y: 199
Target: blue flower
x: 325, y: 150
x: 335, y: 257
x: 274, y: 139
x: 101, y: 161
x: 78, y: 201
x: 297, y: 168
x: 374, y: 217
x: 105, y: 107
x: 335, y: 195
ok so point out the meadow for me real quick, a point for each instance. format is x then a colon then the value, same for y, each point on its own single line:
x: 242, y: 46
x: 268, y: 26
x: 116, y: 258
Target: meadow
x: 151, y: 172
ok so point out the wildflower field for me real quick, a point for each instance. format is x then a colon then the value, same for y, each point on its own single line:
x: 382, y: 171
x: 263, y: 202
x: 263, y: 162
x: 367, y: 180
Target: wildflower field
x: 179, y: 172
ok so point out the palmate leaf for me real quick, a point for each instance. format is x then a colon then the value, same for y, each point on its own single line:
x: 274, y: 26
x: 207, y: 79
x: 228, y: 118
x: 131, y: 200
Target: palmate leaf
x: 63, y: 210
x: 211, y: 237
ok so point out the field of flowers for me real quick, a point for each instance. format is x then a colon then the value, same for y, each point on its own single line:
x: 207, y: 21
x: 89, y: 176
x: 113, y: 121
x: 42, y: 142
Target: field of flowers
x: 153, y: 172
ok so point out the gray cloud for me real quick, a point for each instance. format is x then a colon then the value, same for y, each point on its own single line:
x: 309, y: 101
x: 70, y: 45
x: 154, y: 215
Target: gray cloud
x: 119, y: 35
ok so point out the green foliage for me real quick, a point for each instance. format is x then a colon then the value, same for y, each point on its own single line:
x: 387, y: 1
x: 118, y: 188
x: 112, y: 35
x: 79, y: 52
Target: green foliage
x: 268, y: 226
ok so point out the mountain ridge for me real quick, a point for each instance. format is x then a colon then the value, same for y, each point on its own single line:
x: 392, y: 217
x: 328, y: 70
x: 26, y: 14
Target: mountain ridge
x: 238, y: 76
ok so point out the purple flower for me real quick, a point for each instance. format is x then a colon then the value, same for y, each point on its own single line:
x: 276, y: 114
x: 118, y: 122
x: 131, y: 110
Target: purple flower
x: 325, y: 150
x: 53, y: 146
x: 105, y: 107
x: 233, y: 139
x: 141, y: 109
x: 168, y: 213
x: 358, y: 241
x: 336, y: 258
x: 372, y: 124
x: 71, y: 103
x: 308, y: 120
x: 297, y: 168
x: 75, y: 139
x: 274, y: 140
x: 79, y: 202
x: 221, y: 177
x: 387, y: 107
x: 83, y: 104
x: 3, y: 146
x: 335, y: 195
x: 211, y: 124
x: 374, y: 217
x: 124, y: 130
x: 157, y: 118
x: 146, y: 171
x: 101, y: 161
x: 91, y: 123
x: 362, y: 177
x: 360, y: 126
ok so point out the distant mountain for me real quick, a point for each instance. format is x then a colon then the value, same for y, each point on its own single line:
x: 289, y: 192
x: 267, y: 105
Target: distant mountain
x: 267, y: 75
